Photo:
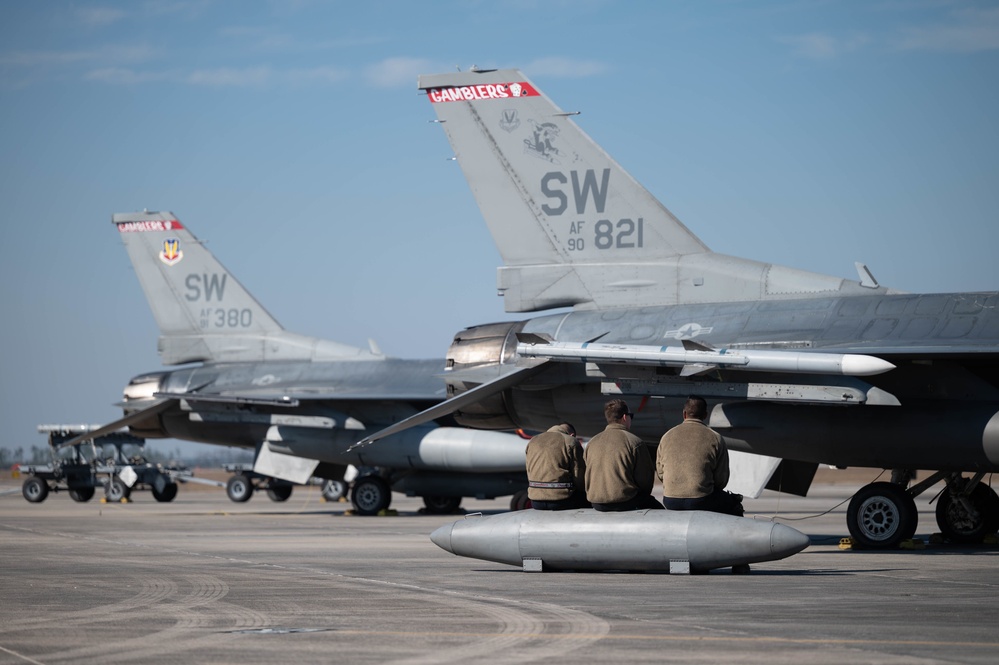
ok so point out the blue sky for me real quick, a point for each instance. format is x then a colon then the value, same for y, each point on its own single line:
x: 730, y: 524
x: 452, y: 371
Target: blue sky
x: 290, y: 136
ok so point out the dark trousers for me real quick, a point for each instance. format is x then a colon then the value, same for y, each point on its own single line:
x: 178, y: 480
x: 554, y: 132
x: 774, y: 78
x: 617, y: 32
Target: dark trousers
x: 718, y: 501
x: 577, y: 500
x: 639, y: 502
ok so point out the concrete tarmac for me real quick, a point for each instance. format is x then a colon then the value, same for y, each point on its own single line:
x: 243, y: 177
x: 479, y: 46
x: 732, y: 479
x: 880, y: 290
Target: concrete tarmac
x: 204, y: 580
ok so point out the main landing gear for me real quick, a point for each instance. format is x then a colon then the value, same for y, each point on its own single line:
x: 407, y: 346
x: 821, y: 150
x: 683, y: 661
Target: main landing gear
x: 241, y: 485
x: 883, y: 514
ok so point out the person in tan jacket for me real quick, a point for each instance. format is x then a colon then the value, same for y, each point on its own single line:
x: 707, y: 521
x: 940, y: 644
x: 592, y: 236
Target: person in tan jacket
x: 556, y: 471
x: 619, y: 470
x: 692, y: 463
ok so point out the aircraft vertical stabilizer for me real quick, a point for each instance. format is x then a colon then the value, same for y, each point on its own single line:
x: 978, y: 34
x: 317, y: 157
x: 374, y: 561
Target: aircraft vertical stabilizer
x: 572, y: 226
x: 203, y: 312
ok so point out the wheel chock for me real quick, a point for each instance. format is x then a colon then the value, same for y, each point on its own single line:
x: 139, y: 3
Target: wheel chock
x: 846, y: 543
x: 388, y: 512
x: 912, y: 544
x: 937, y: 538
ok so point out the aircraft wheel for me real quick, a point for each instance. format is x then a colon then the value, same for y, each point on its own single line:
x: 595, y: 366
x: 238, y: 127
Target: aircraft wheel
x: 168, y: 494
x: 116, y: 490
x: 81, y: 494
x: 519, y: 501
x: 334, y: 490
x: 442, y: 505
x: 959, y: 525
x: 239, y: 488
x: 881, y: 516
x: 370, y: 495
x: 35, y: 490
x: 279, y: 492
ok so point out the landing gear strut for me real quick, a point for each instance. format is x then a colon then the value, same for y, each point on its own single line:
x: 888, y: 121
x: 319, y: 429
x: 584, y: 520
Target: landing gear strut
x: 882, y: 515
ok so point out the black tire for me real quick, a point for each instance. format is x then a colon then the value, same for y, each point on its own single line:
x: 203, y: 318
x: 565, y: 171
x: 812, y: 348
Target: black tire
x: 442, y: 505
x: 35, y: 490
x: 958, y: 525
x: 280, y: 492
x: 116, y: 490
x: 81, y: 494
x: 370, y: 495
x: 881, y: 516
x: 168, y: 494
x: 239, y: 488
x: 519, y: 501
x: 334, y: 490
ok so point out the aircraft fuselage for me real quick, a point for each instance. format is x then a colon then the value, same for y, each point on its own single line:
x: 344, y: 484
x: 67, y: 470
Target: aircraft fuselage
x: 933, y: 411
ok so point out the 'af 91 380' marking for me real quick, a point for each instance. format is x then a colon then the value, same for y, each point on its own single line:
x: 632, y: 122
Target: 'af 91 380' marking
x: 212, y: 317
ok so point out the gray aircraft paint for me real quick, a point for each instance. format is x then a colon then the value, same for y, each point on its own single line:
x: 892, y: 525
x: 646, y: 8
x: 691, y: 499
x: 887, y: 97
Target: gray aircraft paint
x: 575, y: 230
x: 640, y: 540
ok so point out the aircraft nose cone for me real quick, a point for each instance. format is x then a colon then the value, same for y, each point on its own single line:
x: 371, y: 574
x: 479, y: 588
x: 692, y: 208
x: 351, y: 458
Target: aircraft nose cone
x: 442, y: 537
x: 785, y: 541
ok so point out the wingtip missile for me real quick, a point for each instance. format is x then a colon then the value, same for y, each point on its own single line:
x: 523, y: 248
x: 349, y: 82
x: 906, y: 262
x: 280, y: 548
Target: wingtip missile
x: 697, y: 358
x: 645, y: 540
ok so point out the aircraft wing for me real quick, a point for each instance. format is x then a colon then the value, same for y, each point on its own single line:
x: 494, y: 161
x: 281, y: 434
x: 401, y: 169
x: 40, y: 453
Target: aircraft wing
x: 447, y: 407
x: 116, y: 425
x: 294, y: 397
x: 942, y: 350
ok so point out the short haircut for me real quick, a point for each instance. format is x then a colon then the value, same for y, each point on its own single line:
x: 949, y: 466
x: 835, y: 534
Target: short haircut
x: 615, y: 409
x: 695, y: 407
x: 568, y: 428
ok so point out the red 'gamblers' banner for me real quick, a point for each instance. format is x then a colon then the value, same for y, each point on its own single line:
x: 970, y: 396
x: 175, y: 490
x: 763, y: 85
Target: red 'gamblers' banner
x: 468, y: 93
x: 149, y: 225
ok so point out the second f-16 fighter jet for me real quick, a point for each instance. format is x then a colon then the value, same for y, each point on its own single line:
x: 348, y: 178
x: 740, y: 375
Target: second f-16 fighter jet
x: 803, y: 368
x: 299, y: 402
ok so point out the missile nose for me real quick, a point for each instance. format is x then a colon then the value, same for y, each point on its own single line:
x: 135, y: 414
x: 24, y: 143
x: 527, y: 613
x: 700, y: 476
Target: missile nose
x: 442, y: 537
x: 785, y: 541
x: 860, y: 365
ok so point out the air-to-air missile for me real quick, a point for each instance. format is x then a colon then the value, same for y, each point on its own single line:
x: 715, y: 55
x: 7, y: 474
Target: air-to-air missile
x: 697, y: 357
x: 641, y: 540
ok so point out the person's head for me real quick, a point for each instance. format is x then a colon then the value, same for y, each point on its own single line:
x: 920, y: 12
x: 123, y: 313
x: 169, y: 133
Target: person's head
x: 567, y: 428
x: 695, y: 407
x: 617, y: 411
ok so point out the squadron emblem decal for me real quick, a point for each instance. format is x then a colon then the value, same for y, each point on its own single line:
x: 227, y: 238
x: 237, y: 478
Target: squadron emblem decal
x: 541, y: 143
x: 509, y: 120
x: 171, y: 253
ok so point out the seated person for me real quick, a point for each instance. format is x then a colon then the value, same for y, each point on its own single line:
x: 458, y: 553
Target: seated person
x: 556, y: 470
x: 692, y: 462
x: 619, y: 470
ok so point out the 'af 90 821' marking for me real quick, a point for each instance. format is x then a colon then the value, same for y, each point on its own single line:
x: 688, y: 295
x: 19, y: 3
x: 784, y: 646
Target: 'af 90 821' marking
x: 589, y: 191
x: 625, y: 234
